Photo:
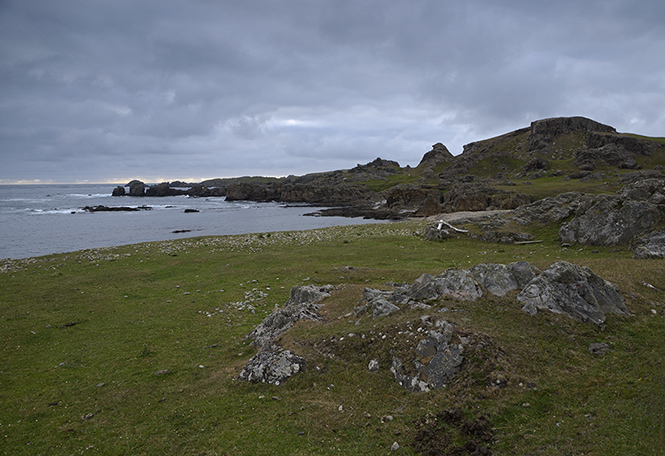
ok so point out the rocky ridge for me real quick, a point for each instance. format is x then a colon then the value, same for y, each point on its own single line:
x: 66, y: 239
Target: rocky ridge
x: 437, y: 352
x: 567, y: 148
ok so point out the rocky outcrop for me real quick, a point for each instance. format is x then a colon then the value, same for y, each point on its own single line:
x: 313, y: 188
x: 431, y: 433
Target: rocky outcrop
x: 452, y: 283
x: 572, y: 290
x: 136, y: 188
x: 102, y: 208
x: 650, y: 246
x: 303, y: 304
x: 436, y: 360
x: 480, y: 197
x: 499, y: 279
x: 545, y: 130
x: 612, y: 220
x: 554, y: 209
x: 562, y: 288
x: 272, y: 365
x: 637, y: 209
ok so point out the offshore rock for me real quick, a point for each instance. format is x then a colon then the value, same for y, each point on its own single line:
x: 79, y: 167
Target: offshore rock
x: 272, y: 365
x: 136, y: 188
x: 572, y: 290
x: 302, y: 304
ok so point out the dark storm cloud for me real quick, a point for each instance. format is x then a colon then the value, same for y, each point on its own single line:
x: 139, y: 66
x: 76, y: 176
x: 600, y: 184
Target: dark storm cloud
x: 102, y: 90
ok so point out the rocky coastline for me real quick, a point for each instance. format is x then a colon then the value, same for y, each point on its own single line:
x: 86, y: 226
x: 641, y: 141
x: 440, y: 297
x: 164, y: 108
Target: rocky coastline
x: 619, y: 176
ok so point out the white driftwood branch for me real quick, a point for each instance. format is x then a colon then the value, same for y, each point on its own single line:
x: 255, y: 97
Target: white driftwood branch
x: 441, y: 223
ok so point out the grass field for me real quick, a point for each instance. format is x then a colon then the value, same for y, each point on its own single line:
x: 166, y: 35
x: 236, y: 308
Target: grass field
x: 136, y: 350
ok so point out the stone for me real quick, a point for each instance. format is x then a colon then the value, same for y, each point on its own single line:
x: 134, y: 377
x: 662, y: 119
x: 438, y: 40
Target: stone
x: 612, y: 220
x: 302, y: 304
x: 118, y: 191
x: 373, y: 366
x: 376, y: 301
x: 500, y: 279
x: 572, y: 290
x: 411, y: 383
x: 651, y: 246
x: 272, y: 365
x: 599, y: 349
x: 136, y: 188
x: 452, y: 283
x: 553, y: 209
x: 443, y: 367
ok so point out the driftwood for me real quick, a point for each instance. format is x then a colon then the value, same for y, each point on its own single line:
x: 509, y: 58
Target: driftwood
x: 441, y: 223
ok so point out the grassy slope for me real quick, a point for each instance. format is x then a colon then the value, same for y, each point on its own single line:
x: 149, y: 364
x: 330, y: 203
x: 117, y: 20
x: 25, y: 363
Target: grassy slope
x: 91, y: 387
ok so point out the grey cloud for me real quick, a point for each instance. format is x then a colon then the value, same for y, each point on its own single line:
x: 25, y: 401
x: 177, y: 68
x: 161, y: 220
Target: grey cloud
x: 292, y: 86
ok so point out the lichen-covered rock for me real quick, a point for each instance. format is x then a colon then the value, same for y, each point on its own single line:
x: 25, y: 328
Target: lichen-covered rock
x: 377, y: 302
x: 499, y: 279
x: 272, y: 365
x: 612, y: 220
x: 410, y: 382
x: 437, y: 361
x: 452, y: 283
x: 554, y: 209
x: 572, y: 290
x: 302, y: 304
x: 651, y: 246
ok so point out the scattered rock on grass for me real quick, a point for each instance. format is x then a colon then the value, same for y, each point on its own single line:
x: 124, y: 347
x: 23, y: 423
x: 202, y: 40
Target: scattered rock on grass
x: 272, y: 365
x: 599, y: 349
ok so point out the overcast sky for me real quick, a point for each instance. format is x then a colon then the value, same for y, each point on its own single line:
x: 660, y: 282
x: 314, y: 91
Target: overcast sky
x: 111, y: 90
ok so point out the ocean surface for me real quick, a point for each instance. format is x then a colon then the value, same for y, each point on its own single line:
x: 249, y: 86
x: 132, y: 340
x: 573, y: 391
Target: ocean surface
x: 39, y: 220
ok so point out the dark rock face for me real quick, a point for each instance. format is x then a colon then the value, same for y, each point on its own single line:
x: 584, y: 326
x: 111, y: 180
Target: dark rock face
x: 439, y: 154
x: 118, y: 191
x: 543, y: 131
x: 572, y: 290
x: 116, y: 208
x: 272, y: 365
x: 536, y: 163
x: 136, y: 188
x: 302, y: 304
x: 479, y: 197
x: 431, y: 206
x: 409, y: 196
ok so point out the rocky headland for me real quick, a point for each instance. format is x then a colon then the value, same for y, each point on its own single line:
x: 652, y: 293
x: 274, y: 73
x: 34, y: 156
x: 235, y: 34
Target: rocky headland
x: 601, y: 186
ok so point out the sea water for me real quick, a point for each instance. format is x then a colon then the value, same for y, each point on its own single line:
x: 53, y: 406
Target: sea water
x: 39, y: 220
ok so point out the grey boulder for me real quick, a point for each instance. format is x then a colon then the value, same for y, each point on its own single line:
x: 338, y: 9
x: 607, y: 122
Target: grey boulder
x: 572, y: 290
x: 499, y: 279
x: 272, y: 365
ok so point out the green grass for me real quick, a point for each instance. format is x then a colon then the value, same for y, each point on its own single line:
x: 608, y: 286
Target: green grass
x: 84, y: 336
